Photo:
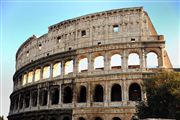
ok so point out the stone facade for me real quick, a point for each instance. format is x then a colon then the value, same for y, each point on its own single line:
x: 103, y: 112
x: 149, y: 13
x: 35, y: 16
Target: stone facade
x: 47, y: 88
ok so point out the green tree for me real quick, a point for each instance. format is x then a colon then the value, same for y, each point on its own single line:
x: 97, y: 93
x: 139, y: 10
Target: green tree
x: 1, y: 118
x: 163, y: 96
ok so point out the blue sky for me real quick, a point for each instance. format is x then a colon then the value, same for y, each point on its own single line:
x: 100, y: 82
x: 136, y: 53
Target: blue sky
x: 22, y: 19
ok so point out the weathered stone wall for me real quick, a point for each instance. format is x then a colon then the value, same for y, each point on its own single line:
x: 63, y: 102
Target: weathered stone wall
x: 115, y: 32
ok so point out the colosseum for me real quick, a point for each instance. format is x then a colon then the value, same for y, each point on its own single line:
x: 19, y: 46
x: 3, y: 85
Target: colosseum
x: 87, y: 68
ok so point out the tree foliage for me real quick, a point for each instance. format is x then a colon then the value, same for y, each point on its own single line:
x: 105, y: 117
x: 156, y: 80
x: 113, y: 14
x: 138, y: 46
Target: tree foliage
x: 163, y: 96
x: 1, y: 118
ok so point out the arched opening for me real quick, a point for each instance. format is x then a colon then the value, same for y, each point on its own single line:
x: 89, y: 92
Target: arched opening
x: 99, y: 63
x: 68, y: 67
x: 133, y: 61
x: 116, y: 118
x: 21, y: 102
x: 27, y: 99
x: 67, y: 98
x: 53, y: 118
x: 116, y: 93
x: 116, y: 62
x: 66, y: 118
x: 24, y: 79
x: 43, y: 97
x: 42, y: 119
x: 98, y: 118
x: 46, y: 72
x: 81, y: 118
x: 30, y: 77
x: 57, y: 69
x: 37, y: 74
x: 54, y: 96
x: 82, y: 95
x: 83, y: 65
x: 34, y: 98
x: 16, y: 102
x: 134, y: 92
x: 152, y: 60
x: 98, y: 93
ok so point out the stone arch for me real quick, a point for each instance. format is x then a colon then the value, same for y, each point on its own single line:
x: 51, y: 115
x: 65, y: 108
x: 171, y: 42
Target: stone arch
x: 56, y: 69
x: 68, y: 66
x: 133, y: 60
x: 24, y: 78
x: 116, y: 118
x: 152, y: 60
x: 30, y: 76
x: 99, y: 62
x: 21, y: 101
x: 54, y: 94
x: 116, y: 93
x: 98, y: 93
x: 116, y: 61
x: 82, y: 94
x: 98, y: 118
x: 135, y: 92
x: 37, y: 76
x: 43, y: 95
x: 82, y: 64
x: 46, y: 71
x: 67, y: 95
x: 27, y: 99
x: 34, y: 95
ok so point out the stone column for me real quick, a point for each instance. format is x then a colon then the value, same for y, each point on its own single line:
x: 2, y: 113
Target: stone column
x: 60, y: 94
x: 33, y: 79
x: 75, y: 66
x: 90, y: 63
x: 124, y: 61
x: 106, y: 94
x: 51, y: 71
x: 48, y: 98
x: 41, y: 73
x: 106, y: 62
x: 62, y: 68
x: 38, y: 92
x: 161, y: 59
x: 30, y: 100
x: 142, y: 60
x: 88, y: 95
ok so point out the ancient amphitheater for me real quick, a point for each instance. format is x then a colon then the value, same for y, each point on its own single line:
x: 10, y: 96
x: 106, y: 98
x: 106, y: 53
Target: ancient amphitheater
x: 87, y: 68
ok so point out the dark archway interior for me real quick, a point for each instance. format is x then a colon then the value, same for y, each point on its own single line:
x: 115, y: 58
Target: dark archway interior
x: 27, y: 99
x: 21, y: 102
x: 53, y: 118
x: 82, y: 96
x: 81, y: 118
x: 34, y: 98
x: 135, y: 92
x: 116, y: 118
x: 43, y: 97
x: 116, y: 93
x: 66, y: 118
x: 54, y: 96
x: 67, y: 95
x: 98, y: 118
x: 98, y: 95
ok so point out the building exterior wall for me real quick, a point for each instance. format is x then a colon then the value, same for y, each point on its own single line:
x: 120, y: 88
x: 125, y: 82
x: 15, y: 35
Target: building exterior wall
x: 119, y: 31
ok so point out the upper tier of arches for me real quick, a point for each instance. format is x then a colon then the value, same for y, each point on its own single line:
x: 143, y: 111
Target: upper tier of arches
x: 112, y: 61
x: 109, y: 27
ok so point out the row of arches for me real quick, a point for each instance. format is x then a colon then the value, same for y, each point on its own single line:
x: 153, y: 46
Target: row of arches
x: 65, y: 95
x: 81, y: 118
x: 57, y: 68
